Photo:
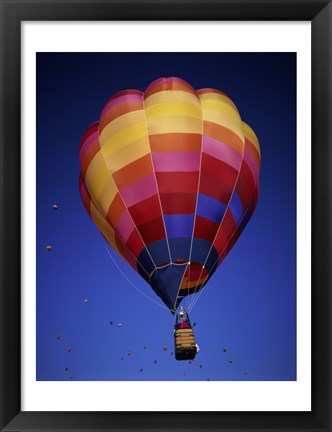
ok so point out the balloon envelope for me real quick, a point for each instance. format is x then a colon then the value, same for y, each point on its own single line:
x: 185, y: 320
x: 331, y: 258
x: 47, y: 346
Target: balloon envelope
x: 170, y: 176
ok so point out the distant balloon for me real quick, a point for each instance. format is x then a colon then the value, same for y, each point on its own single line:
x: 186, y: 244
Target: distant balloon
x: 170, y: 176
x: 111, y: 322
x: 49, y: 248
x: 86, y: 301
x: 55, y: 206
x: 66, y: 369
x: 231, y: 361
x: 69, y: 350
x: 224, y: 349
x: 58, y: 336
x: 165, y: 348
x: 141, y: 370
x: 129, y: 353
x: 119, y: 325
x: 155, y: 362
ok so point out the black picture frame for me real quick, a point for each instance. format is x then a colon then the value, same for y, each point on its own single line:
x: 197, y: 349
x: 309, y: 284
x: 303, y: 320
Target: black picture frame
x: 13, y: 12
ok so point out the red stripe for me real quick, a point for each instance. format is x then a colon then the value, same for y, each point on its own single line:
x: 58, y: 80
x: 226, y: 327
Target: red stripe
x: 177, y: 182
x: 152, y: 231
x: 135, y: 243
x: 145, y: 210
x: 205, y: 229
x: 178, y: 203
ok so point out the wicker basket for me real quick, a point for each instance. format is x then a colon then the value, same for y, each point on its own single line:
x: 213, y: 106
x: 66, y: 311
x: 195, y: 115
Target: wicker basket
x: 185, y: 344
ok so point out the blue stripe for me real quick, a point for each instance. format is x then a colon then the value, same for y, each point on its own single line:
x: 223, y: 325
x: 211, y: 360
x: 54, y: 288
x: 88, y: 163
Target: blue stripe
x: 236, y: 207
x: 210, y: 208
x: 180, y: 225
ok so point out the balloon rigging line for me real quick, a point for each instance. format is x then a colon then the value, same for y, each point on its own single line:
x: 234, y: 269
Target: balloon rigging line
x: 198, y: 187
x: 204, y: 283
x: 116, y: 265
x: 224, y: 215
x: 155, y: 178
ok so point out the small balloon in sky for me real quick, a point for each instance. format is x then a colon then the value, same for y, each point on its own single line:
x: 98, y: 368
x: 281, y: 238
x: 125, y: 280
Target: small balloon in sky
x: 145, y: 347
x: 129, y: 353
x: 155, y: 362
x: 55, y: 206
x: 141, y: 370
x: 49, y: 248
x: 69, y: 350
x: 86, y: 301
x: 225, y: 349
x: 230, y: 361
x: 58, y: 336
x: 66, y: 369
x: 119, y: 325
x: 111, y: 322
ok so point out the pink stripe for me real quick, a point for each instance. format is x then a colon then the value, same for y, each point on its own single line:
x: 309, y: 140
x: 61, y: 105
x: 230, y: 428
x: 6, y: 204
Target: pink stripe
x: 139, y: 191
x: 119, y: 101
x: 176, y: 161
x: 87, y: 143
x: 125, y: 227
x: 252, y: 165
x: 221, y: 151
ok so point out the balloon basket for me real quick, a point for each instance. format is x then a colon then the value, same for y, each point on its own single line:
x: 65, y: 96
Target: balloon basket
x: 185, y: 344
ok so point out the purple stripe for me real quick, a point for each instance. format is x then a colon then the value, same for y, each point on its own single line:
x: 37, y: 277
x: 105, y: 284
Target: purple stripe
x: 176, y: 161
x: 221, y: 151
x: 251, y: 162
x: 139, y: 190
x: 119, y: 101
x: 125, y: 227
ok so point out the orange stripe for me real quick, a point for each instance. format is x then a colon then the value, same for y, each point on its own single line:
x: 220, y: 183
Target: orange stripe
x: 115, y: 211
x: 169, y: 85
x: 133, y: 171
x: 88, y: 156
x: 175, y: 142
x: 211, y: 90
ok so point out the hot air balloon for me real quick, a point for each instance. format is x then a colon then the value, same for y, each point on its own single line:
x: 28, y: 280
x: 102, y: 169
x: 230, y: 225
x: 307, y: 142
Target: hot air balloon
x: 170, y: 176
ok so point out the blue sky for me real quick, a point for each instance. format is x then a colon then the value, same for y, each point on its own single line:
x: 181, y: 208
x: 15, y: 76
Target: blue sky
x: 248, y: 306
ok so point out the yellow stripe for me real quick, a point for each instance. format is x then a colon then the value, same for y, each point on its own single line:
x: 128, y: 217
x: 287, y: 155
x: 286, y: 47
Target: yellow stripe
x: 107, y: 196
x: 128, y: 154
x: 250, y: 134
x: 174, y: 125
x: 123, y: 138
x: 171, y: 96
x: 97, y: 176
x: 220, y: 106
x: 218, y: 97
x: 120, y: 123
x: 104, y: 227
x: 185, y: 284
x: 225, y: 120
x: 170, y: 109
